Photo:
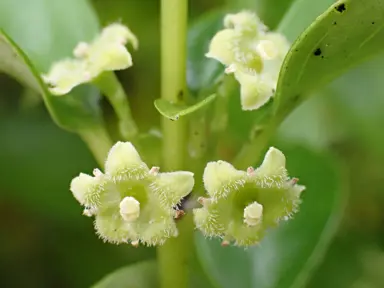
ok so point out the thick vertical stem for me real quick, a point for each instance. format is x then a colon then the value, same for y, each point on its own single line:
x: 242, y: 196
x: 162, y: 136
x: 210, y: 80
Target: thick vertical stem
x: 174, y: 254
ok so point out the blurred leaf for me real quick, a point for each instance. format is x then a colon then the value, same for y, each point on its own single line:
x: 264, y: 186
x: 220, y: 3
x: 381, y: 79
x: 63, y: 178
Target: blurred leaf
x: 300, y: 15
x: 47, y: 159
x: 202, y: 71
x: 175, y: 111
x: 289, y: 253
x: 358, y: 100
x: 46, y: 31
x: 346, y: 34
x: 141, y: 275
x: 313, y: 123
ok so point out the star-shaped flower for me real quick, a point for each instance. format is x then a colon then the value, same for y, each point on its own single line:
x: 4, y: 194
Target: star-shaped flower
x: 252, y: 53
x: 243, y: 204
x: 132, y: 203
x: 107, y: 52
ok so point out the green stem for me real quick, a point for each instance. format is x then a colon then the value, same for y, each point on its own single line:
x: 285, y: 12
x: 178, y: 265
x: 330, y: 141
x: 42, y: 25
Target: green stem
x: 98, y: 141
x: 173, y: 256
x: 251, y: 152
x: 110, y: 86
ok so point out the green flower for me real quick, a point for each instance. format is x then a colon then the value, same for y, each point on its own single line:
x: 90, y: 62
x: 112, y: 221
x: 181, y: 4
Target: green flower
x: 242, y: 205
x: 107, y: 52
x: 132, y: 203
x: 252, y: 53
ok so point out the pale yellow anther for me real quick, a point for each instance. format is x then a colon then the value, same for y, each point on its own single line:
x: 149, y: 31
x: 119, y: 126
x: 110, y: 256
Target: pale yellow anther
x: 97, y: 173
x: 225, y: 243
x: 87, y: 212
x: 154, y: 170
x: 81, y: 50
x: 253, y: 214
x: 135, y: 243
x: 129, y: 209
x: 250, y: 171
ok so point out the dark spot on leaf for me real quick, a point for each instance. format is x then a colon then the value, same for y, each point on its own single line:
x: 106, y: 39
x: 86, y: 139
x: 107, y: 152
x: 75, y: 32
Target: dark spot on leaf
x: 341, y: 8
x: 296, y: 98
x: 296, y: 50
x: 322, y: 56
x: 335, y: 23
x: 373, y: 22
x: 257, y: 132
x: 180, y: 95
x: 317, y: 52
x: 196, y: 133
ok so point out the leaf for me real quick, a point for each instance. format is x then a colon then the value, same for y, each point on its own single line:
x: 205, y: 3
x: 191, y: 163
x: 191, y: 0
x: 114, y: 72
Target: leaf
x: 175, y: 111
x: 48, y: 159
x: 36, y: 36
x: 202, y: 71
x: 300, y: 15
x: 289, y: 253
x: 357, y: 98
x: 346, y: 34
x: 141, y: 275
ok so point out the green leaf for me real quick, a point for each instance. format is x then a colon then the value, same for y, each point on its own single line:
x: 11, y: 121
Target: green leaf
x: 201, y: 71
x: 289, y: 253
x: 346, y: 34
x: 174, y: 111
x: 300, y: 15
x: 36, y: 36
x: 141, y: 275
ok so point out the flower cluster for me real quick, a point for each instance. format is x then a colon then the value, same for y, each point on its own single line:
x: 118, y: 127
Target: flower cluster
x: 242, y: 205
x: 107, y: 52
x: 253, y: 54
x: 132, y: 203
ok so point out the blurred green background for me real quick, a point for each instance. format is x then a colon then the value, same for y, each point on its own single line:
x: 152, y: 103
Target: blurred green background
x: 44, y: 241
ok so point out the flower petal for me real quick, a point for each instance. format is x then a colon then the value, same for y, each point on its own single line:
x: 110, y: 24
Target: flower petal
x: 109, y: 57
x: 172, y: 187
x: 65, y: 75
x: 111, y: 227
x: 158, y: 231
x: 123, y: 163
x: 120, y: 34
x: 221, y: 46
x: 255, y: 90
x: 244, y: 20
x: 273, y: 163
x: 87, y: 190
x: 208, y: 222
x: 220, y: 178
